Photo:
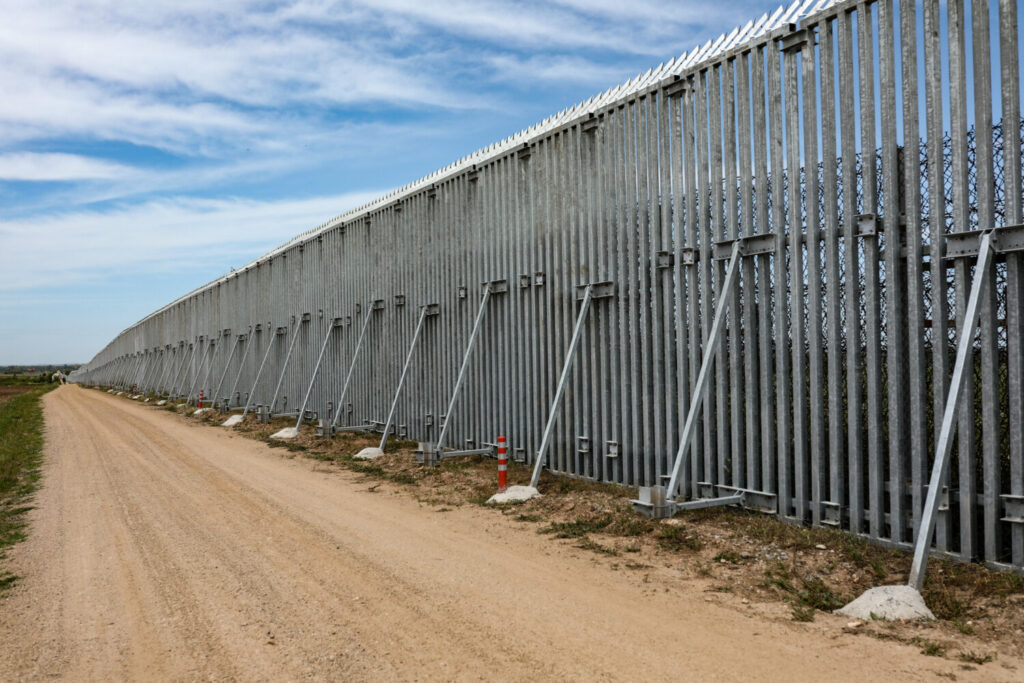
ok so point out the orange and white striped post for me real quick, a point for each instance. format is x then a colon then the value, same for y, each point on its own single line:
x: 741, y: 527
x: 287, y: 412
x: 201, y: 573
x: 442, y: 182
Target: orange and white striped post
x: 135, y: 390
x: 200, y: 399
x: 502, y: 465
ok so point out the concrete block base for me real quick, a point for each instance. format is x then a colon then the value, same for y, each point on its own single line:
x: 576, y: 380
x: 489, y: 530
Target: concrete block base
x: 888, y: 602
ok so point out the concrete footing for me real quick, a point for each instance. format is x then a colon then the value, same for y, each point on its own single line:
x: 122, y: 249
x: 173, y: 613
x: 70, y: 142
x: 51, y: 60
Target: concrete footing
x: 513, y: 494
x: 286, y: 433
x: 371, y: 453
x: 888, y: 602
x: 232, y: 421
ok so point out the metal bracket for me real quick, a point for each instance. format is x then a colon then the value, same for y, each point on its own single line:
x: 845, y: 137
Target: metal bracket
x: 761, y: 501
x: 431, y: 309
x: 306, y: 317
x: 399, y: 299
x: 689, y: 256
x: 1014, y: 508
x: 589, y: 125
x: 524, y: 281
x: 679, y: 86
x: 377, y: 305
x: 704, y: 503
x: 582, y: 444
x: 665, y: 259
x: 653, y: 502
x: 1005, y: 239
x: 538, y: 279
x: 598, y: 290
x: 869, y: 225
x: 463, y: 291
x: 497, y: 286
x: 282, y: 330
x: 612, y: 449
x: 525, y: 152
x: 797, y: 39
x: 833, y: 514
x: 749, y: 246
x: 338, y: 322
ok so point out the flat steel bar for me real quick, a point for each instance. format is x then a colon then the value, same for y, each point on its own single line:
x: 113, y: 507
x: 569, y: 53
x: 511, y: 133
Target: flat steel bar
x: 241, y: 363
x: 284, y: 366
x: 703, y: 377
x: 464, y: 366
x: 944, y: 445
x: 316, y: 370
x: 570, y: 355
x: 256, y: 380
x: 405, y: 372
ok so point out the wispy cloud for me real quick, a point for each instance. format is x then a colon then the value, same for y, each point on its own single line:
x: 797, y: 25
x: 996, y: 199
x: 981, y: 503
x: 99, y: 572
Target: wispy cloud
x: 55, y: 166
x: 81, y: 246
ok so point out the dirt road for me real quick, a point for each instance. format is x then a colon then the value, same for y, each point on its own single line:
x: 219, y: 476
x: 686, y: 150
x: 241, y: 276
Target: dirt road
x: 163, y: 550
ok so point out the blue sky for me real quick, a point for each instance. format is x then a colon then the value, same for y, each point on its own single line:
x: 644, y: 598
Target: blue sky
x: 148, y: 147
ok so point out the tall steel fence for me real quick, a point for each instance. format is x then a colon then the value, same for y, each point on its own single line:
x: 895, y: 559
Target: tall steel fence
x: 830, y: 168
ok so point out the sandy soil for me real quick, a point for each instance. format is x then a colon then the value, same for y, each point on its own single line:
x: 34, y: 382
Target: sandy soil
x: 168, y: 551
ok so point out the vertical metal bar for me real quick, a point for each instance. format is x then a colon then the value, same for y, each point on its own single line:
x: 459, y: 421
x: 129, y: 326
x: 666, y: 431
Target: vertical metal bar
x: 936, y: 225
x: 895, y: 277
x: 748, y: 227
x: 917, y: 406
x: 830, y: 186
x: 944, y: 445
x: 766, y: 481
x: 577, y: 333
x: 814, y: 341
x: 735, y: 375
x: 783, y: 357
x: 985, y: 204
x: 958, y: 97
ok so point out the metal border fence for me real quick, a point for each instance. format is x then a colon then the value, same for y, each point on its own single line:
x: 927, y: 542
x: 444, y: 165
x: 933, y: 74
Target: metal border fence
x: 676, y: 199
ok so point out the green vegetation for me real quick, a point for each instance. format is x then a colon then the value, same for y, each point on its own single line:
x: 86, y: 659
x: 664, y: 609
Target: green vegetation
x: 21, y: 445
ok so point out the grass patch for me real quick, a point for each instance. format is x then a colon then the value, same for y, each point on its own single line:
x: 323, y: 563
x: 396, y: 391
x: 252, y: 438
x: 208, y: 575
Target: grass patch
x: 578, y: 528
x: 587, y: 543
x: 976, y: 657
x: 932, y: 649
x: 21, y: 445
x: 372, y: 469
x: 528, y: 518
x: 803, y: 613
x: 676, y: 538
x: 729, y: 556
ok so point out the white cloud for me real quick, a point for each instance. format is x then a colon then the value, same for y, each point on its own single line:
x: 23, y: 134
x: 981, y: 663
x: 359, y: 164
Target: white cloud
x: 54, y: 166
x: 74, y: 247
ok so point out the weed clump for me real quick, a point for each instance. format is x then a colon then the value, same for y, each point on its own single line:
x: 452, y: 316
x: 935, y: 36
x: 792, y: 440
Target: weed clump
x: 677, y: 538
